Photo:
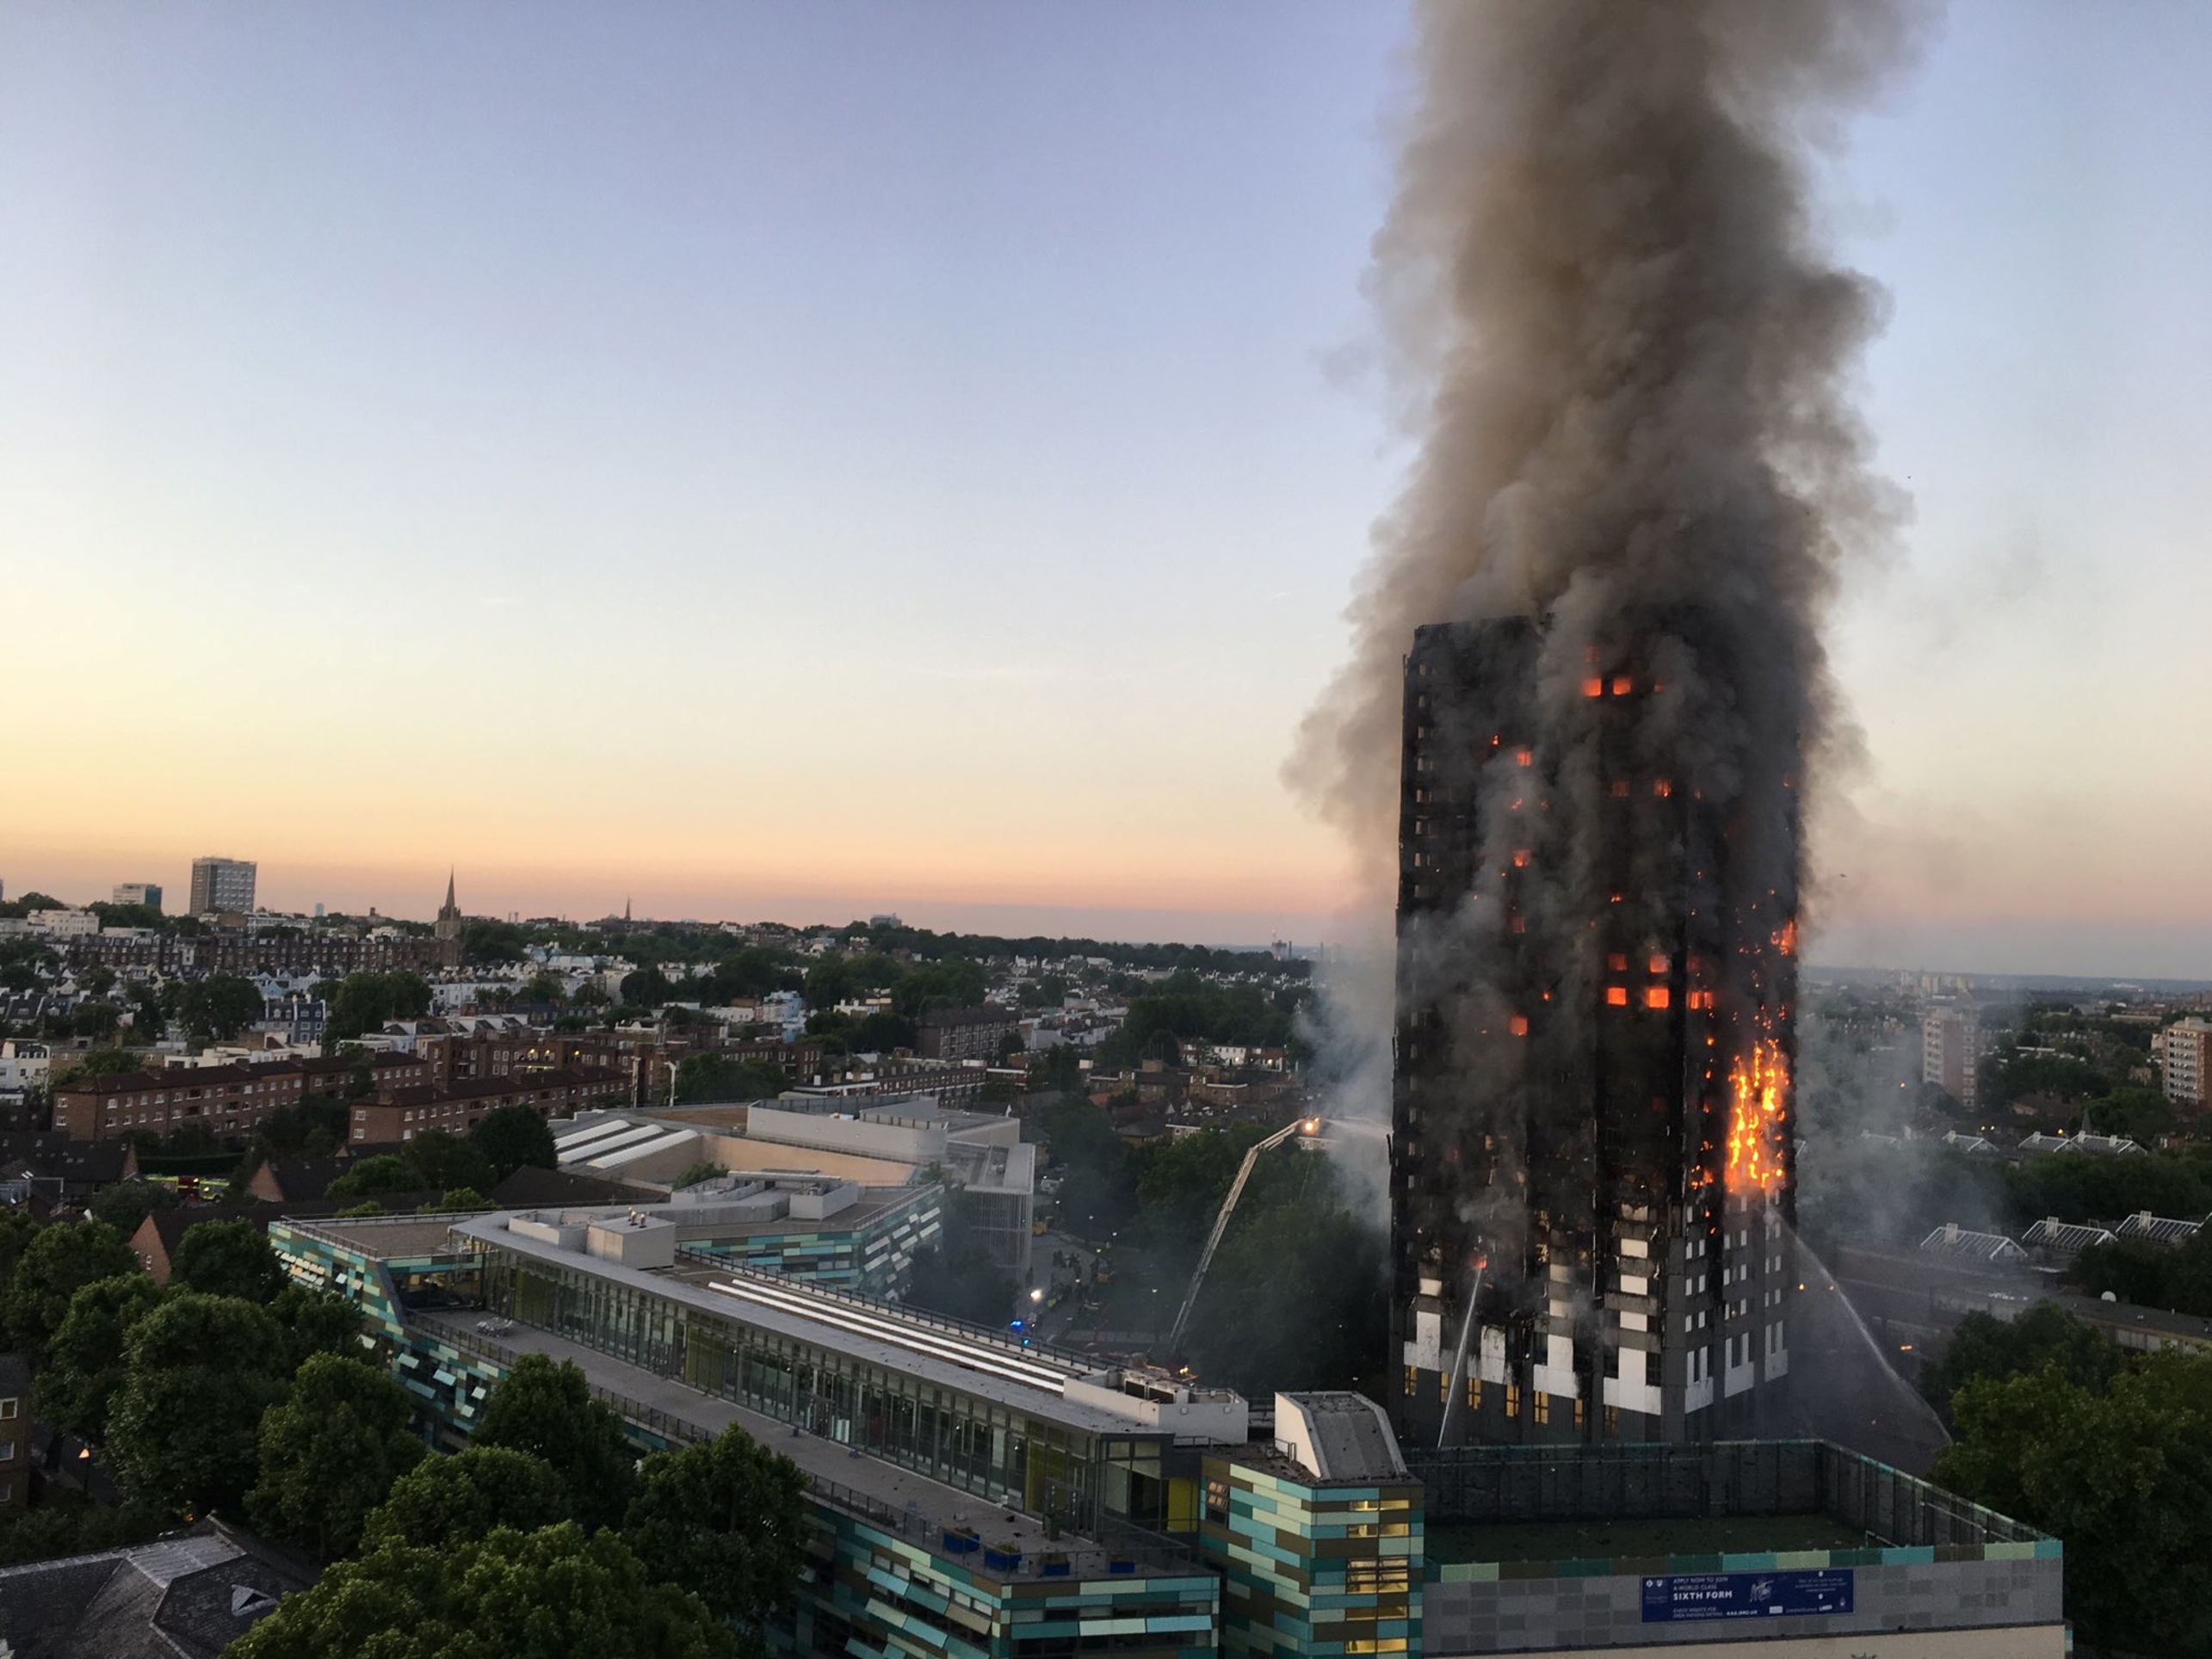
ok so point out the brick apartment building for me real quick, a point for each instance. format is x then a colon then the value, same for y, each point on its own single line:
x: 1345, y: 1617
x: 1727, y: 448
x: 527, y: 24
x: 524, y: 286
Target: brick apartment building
x: 974, y: 1033
x: 408, y: 1112
x: 331, y: 955
x: 468, y: 1055
x: 230, y: 1100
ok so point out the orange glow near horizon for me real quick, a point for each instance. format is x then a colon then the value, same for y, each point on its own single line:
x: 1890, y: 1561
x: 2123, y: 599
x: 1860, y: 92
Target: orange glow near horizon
x: 1758, y: 1089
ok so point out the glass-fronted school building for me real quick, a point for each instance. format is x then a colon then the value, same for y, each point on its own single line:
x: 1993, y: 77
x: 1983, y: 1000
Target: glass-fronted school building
x: 974, y: 1498
x: 1015, y: 1424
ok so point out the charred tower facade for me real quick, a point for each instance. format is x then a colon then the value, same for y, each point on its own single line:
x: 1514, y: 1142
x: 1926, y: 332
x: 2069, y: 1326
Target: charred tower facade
x: 1591, y: 1156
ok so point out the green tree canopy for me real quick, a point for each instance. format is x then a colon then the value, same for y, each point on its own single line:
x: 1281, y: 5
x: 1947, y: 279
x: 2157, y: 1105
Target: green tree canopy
x: 547, y: 1410
x: 364, y: 1001
x: 107, y: 1061
x: 648, y: 988
x: 68, y: 1522
x: 445, y: 1502
x: 198, y: 1372
x: 216, y: 1008
x: 1296, y: 1299
x: 1985, y: 1349
x: 954, y: 982
x: 558, y: 1593
x: 227, y: 1258
x: 726, y: 1520
x: 2152, y: 1275
x: 126, y: 1206
x: 543, y: 986
x: 85, y: 1361
x: 95, y: 1021
x: 17, y: 1228
x: 512, y: 1137
x: 717, y: 1077
x: 2121, y: 1475
x: 1097, y: 1178
x: 57, y: 1262
x: 387, y: 1172
x: 330, y: 1453
x: 317, y: 1322
x: 484, y: 942
x: 444, y: 1159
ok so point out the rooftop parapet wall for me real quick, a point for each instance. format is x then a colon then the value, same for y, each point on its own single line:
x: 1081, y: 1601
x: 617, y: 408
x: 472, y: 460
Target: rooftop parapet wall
x: 1495, y: 1483
x: 1929, y: 1562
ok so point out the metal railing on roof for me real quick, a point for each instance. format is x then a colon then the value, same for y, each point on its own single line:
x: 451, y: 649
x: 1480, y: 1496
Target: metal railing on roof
x: 322, y: 1228
x: 1082, y: 1365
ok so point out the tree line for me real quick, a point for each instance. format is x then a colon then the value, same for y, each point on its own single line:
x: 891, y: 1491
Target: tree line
x: 232, y: 1390
x: 2109, y: 1451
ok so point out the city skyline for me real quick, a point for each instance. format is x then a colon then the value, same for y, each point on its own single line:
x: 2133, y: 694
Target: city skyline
x: 893, y: 480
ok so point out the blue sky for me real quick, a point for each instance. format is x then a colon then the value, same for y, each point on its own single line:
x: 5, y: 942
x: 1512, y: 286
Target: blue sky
x: 813, y: 458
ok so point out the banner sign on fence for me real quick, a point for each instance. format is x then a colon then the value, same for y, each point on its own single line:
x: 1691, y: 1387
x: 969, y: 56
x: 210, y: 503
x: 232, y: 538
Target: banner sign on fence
x: 1683, y: 1597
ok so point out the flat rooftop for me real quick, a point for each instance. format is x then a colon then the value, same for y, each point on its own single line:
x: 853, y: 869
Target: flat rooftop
x: 966, y: 1359
x: 389, y: 1239
x: 872, y: 1204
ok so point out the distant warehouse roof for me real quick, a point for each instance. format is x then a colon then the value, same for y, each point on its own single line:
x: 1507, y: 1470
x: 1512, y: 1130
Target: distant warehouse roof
x: 2064, y: 1238
x: 2079, y: 1143
x: 1975, y: 1146
x: 1966, y: 1245
x: 2157, y: 1229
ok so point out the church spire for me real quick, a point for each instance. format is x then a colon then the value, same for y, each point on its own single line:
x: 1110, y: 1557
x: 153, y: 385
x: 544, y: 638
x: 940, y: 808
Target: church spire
x: 449, y: 923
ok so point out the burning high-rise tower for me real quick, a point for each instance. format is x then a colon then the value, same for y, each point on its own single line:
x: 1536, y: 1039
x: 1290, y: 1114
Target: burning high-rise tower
x: 1627, y: 359
x: 1591, y: 1164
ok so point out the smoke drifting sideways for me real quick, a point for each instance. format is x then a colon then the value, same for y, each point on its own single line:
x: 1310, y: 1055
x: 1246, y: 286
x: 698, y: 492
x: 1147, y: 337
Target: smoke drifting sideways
x: 1626, y: 362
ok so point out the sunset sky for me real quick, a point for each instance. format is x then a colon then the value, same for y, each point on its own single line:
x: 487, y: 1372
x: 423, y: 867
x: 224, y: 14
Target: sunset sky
x: 799, y: 460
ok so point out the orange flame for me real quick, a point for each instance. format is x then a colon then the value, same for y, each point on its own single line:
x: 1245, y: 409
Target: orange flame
x: 1759, y: 1085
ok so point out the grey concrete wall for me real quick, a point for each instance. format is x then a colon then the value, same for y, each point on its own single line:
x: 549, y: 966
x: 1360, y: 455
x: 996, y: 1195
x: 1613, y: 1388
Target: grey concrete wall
x: 1551, y: 1614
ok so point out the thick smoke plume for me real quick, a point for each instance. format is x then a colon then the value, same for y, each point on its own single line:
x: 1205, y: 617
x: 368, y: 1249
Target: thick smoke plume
x: 1627, y: 359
